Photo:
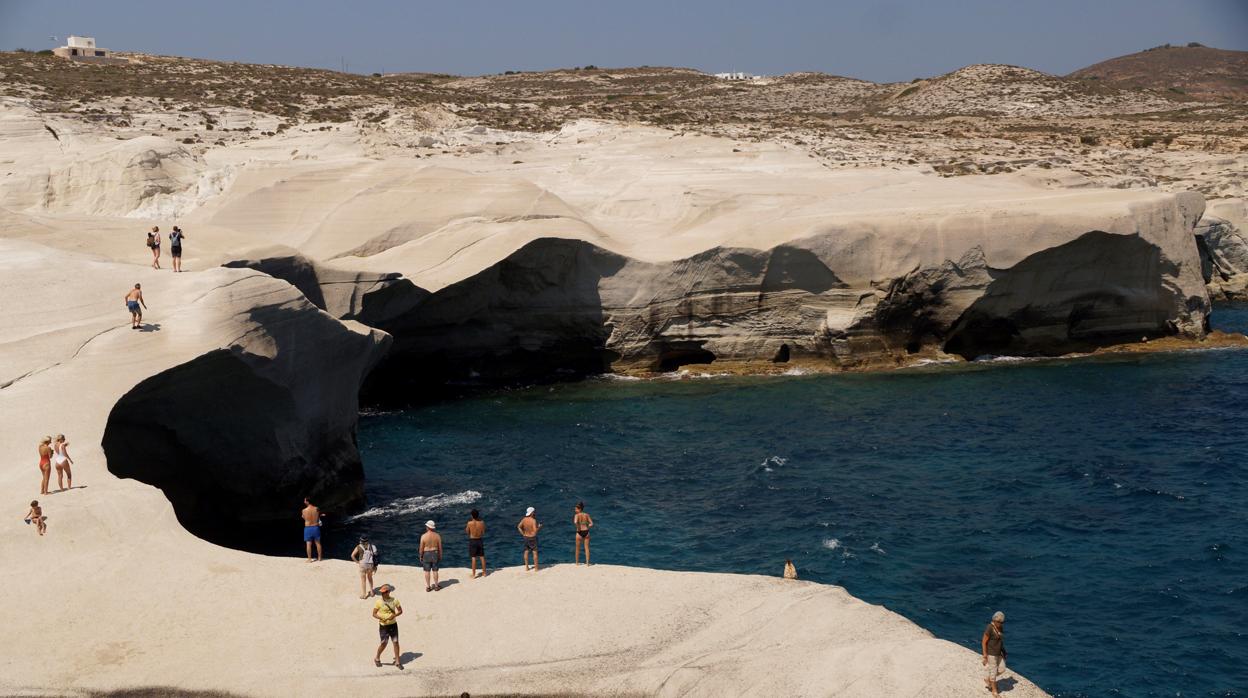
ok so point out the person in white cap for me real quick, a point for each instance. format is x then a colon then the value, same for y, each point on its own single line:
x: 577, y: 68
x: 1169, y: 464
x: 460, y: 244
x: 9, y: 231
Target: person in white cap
x: 528, y: 527
x: 431, y: 554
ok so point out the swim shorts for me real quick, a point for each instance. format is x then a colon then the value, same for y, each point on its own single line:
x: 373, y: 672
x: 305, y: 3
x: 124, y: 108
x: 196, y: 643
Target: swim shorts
x: 311, y: 533
x: 388, y: 632
x: 430, y: 560
x: 476, y: 547
x: 176, y: 250
x: 132, y: 306
x: 530, y: 543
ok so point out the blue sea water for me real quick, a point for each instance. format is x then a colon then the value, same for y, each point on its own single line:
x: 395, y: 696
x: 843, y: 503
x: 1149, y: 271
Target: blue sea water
x: 1101, y: 503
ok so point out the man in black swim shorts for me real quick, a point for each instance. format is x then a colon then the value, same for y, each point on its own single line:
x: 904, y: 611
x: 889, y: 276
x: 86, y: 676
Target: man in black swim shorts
x: 475, y: 529
x: 528, y: 527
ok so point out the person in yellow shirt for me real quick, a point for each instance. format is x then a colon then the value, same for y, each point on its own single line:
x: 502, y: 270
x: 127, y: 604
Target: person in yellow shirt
x: 387, y: 610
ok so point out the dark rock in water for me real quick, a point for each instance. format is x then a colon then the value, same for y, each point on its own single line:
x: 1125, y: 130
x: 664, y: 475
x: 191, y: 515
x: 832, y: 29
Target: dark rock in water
x: 237, y: 437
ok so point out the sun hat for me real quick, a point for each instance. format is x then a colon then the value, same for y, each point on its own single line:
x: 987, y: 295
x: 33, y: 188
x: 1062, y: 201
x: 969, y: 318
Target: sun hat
x: 430, y: 524
x: 529, y: 511
x: 384, y: 589
x: 999, y: 616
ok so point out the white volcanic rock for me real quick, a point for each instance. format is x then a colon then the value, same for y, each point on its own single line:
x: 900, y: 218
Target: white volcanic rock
x: 1223, y: 237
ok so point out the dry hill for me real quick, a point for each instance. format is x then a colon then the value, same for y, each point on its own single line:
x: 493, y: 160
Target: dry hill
x: 1199, y: 71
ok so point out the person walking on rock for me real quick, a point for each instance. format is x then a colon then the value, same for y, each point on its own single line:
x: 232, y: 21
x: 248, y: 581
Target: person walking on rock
x: 476, y: 541
x: 153, y: 243
x: 35, y: 516
x: 365, y: 554
x: 311, y: 529
x: 993, y: 644
x: 175, y: 247
x: 45, y: 463
x: 431, y: 554
x: 62, y: 461
x: 582, y: 523
x: 136, y: 305
x: 528, y: 528
x: 387, y: 610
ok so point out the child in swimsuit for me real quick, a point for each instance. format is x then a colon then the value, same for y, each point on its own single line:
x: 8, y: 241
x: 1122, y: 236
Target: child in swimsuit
x: 35, y: 516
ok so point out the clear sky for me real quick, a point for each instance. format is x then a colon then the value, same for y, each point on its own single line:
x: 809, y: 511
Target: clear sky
x: 890, y: 40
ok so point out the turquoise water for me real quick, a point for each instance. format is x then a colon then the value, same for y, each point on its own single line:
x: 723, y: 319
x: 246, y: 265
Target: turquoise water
x: 1102, y: 504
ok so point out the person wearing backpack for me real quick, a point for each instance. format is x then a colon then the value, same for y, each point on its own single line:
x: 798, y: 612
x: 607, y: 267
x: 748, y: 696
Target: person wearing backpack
x: 365, y: 554
x: 175, y: 247
x: 153, y: 243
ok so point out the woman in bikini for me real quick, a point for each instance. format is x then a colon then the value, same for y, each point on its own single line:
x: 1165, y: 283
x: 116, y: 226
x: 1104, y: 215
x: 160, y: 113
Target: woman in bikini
x: 62, y: 461
x: 153, y: 241
x: 45, y: 463
x: 582, y: 523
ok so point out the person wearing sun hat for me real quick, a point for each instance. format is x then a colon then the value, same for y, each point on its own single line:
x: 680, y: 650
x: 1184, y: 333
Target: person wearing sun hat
x: 387, y: 610
x: 528, y: 528
x: 431, y: 554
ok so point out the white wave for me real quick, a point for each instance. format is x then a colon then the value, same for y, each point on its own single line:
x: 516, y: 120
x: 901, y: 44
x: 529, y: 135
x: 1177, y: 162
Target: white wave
x: 831, y: 543
x: 412, y: 505
x: 618, y: 377
x: 795, y: 371
x: 876, y: 547
x: 773, y: 460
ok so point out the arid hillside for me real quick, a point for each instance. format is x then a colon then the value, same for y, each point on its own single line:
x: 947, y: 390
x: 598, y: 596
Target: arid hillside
x: 1199, y: 71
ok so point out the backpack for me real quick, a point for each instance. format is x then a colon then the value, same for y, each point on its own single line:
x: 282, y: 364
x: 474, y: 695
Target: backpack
x: 151, y: 240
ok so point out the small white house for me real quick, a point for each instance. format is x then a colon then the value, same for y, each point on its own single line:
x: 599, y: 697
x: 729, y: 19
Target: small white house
x: 83, y: 48
x: 736, y: 76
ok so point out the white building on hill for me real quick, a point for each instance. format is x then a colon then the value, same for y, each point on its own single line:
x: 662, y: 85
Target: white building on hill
x: 83, y: 48
x: 737, y: 76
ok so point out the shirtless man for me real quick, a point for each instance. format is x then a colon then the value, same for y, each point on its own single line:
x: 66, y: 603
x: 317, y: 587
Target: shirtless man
x: 476, y: 541
x: 311, y: 529
x: 431, y: 554
x: 528, y: 527
x: 133, y: 299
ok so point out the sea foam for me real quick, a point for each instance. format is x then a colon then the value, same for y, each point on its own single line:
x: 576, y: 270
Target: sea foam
x: 412, y: 505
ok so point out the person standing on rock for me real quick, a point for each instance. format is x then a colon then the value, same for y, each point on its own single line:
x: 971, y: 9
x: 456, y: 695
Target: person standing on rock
x: 582, y: 523
x: 387, y: 610
x: 476, y: 541
x: 62, y: 461
x: 993, y: 644
x: 311, y: 529
x: 528, y: 527
x: 431, y: 554
x: 175, y: 248
x: 153, y: 243
x: 45, y: 463
x: 365, y: 554
x: 134, y: 299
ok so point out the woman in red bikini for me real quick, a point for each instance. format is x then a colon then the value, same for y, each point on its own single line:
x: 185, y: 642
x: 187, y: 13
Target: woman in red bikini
x: 45, y: 462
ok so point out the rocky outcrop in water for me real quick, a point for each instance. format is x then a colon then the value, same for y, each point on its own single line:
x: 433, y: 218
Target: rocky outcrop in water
x: 1224, y: 250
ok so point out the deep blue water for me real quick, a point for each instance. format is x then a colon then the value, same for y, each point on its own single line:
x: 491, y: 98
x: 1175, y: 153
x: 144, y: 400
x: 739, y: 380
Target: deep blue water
x: 1102, y: 504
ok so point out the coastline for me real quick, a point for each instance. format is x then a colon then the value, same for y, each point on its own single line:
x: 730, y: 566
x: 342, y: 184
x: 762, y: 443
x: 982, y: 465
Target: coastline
x: 128, y: 598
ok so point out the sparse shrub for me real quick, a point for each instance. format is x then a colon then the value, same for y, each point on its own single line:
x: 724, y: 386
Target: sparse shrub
x: 1195, y: 44
x: 376, y: 75
x: 44, y: 52
x: 1145, y: 142
x: 1178, y: 90
x: 1090, y: 140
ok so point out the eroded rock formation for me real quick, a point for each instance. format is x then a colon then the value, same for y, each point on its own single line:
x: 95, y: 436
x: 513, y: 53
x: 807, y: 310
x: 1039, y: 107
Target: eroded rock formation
x: 1224, y: 250
x: 239, y: 435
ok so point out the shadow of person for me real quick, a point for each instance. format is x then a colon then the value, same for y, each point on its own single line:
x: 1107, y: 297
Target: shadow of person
x: 1006, y: 684
x: 149, y: 327
x: 409, y: 656
x: 447, y: 582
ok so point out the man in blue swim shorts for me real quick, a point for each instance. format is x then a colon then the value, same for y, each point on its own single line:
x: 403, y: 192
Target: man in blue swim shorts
x: 311, y: 529
x: 133, y: 300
